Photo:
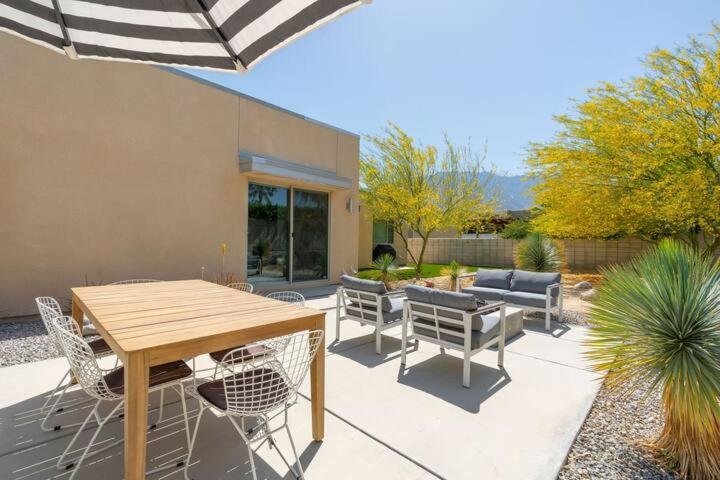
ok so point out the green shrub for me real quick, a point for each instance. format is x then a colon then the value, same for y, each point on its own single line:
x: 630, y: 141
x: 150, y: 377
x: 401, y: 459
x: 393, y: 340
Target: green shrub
x: 516, y: 230
x: 656, y: 321
x: 384, y: 269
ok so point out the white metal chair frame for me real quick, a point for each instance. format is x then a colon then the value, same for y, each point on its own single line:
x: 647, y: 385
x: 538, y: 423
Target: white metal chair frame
x: 288, y: 297
x: 368, y: 303
x: 49, y: 309
x: 263, y: 386
x: 242, y: 286
x: 409, y: 315
x: 133, y: 281
x: 548, y: 300
x: 91, y: 378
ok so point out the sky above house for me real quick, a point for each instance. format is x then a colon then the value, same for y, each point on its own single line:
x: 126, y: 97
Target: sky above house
x: 491, y: 72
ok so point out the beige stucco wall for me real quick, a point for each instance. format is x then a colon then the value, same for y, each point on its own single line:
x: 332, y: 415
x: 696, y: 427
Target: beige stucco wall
x: 111, y: 171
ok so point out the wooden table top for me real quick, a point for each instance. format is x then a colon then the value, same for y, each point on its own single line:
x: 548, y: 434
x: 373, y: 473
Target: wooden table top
x: 146, y: 316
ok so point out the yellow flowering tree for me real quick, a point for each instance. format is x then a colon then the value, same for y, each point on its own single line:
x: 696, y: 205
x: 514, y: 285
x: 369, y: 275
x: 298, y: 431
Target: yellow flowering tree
x: 640, y: 158
x: 420, y: 190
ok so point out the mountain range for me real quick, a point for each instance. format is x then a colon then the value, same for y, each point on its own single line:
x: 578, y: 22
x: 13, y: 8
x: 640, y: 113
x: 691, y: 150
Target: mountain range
x: 513, y: 191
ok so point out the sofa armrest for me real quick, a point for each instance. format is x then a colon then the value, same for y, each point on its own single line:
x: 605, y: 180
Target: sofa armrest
x: 466, y: 275
x: 552, y: 287
x: 395, y: 293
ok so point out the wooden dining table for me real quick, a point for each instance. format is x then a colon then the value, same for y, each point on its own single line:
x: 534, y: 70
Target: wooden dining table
x: 149, y: 324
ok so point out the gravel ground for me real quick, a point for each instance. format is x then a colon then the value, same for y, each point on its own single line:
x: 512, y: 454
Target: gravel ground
x: 23, y: 342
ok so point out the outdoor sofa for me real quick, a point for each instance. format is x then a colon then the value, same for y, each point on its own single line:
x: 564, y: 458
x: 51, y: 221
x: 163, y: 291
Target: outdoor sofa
x: 368, y: 302
x: 533, y: 291
x: 453, y: 320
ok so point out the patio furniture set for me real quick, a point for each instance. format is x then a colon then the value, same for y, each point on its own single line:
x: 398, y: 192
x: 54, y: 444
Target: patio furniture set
x: 468, y: 320
x: 262, y: 346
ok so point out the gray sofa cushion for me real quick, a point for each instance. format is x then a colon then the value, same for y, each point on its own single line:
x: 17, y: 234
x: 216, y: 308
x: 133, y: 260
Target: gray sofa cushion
x: 485, y: 293
x: 442, y: 298
x: 493, y: 278
x: 478, y: 337
x: 528, y: 299
x: 534, y: 282
x: 394, y: 315
x: 370, y: 286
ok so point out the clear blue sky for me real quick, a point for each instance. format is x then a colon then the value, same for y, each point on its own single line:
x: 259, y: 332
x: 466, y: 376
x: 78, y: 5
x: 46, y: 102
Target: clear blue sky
x: 494, y: 70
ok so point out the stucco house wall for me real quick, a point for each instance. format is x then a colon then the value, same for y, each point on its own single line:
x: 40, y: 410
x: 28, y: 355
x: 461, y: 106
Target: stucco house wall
x: 111, y: 171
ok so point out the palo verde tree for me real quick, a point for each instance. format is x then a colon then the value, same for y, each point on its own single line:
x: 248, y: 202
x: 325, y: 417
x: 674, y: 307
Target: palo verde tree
x: 418, y: 189
x: 640, y: 158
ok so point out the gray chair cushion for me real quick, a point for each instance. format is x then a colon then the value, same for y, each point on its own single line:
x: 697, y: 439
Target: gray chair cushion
x: 489, y: 330
x: 393, y: 315
x: 370, y: 286
x: 442, y: 298
x: 485, y: 293
x: 534, y: 282
x: 528, y: 299
x: 493, y: 278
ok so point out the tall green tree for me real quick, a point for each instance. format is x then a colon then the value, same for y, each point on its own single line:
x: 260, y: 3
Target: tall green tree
x: 639, y: 158
x: 419, y: 189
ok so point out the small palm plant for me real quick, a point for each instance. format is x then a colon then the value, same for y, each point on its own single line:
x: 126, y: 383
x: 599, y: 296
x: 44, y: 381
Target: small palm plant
x: 656, y: 321
x: 384, y: 269
x: 538, y: 253
x: 453, y: 270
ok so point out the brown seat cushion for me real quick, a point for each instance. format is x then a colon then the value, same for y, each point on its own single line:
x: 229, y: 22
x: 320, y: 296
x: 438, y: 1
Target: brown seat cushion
x: 248, y: 352
x: 256, y: 389
x: 100, y: 346
x: 159, y: 374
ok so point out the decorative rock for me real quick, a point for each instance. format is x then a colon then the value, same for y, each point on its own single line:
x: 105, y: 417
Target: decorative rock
x: 583, y: 285
x: 588, y: 295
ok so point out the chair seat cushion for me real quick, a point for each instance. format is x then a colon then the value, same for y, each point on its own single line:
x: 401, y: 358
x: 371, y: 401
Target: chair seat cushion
x: 394, y: 315
x: 159, y: 374
x: 527, y: 299
x: 252, y: 351
x: 100, y: 346
x: 255, y: 390
x: 486, y: 293
x: 490, y: 329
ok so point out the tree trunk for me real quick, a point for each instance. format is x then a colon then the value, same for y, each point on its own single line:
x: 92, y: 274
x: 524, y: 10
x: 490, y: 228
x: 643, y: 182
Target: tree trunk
x: 419, y: 262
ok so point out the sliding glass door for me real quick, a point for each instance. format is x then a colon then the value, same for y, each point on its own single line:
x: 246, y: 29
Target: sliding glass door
x: 287, y: 234
x: 310, y: 235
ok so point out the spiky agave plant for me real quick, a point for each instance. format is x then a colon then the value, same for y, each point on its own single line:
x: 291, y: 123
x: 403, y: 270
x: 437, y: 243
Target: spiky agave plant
x: 385, y: 269
x: 656, y: 321
x: 453, y: 270
x: 538, y: 253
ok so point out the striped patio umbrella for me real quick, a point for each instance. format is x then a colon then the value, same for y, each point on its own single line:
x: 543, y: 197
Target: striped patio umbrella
x: 214, y: 34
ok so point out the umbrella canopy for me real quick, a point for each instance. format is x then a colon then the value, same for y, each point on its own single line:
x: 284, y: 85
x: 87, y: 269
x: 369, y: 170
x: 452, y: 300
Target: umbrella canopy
x: 214, y: 34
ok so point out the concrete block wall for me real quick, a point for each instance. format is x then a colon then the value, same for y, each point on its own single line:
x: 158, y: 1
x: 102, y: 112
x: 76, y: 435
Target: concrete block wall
x: 580, y: 255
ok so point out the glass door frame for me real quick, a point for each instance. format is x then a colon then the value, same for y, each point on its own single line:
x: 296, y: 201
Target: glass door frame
x: 291, y: 228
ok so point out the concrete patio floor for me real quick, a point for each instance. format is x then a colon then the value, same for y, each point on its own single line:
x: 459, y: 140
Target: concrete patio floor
x: 382, y: 421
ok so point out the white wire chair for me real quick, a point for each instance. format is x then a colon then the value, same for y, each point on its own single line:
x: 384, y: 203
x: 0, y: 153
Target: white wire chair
x: 242, y: 286
x: 109, y: 386
x: 288, y: 297
x: 260, y: 384
x: 49, y: 309
x: 133, y: 281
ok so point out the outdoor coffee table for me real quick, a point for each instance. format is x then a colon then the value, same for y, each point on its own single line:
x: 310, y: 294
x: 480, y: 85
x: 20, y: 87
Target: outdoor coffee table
x: 150, y: 324
x: 513, y: 321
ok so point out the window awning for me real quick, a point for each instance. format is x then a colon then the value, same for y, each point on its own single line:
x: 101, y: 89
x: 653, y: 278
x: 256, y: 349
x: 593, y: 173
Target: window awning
x: 251, y: 163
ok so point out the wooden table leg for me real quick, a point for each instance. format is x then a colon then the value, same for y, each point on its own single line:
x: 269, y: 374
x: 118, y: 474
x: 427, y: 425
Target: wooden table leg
x: 77, y: 313
x: 317, y: 387
x: 136, y: 407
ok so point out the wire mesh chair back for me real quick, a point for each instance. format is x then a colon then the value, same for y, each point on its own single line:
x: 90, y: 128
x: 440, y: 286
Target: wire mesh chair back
x: 263, y: 376
x: 49, y: 309
x: 242, y: 286
x: 288, y: 297
x: 133, y: 281
x: 82, y: 359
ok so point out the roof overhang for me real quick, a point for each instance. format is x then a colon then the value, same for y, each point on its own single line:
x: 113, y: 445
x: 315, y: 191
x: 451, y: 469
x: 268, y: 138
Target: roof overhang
x: 251, y: 163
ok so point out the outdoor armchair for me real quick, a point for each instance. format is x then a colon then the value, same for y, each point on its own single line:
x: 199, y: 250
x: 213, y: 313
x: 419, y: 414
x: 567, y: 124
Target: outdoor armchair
x: 368, y: 302
x: 455, y: 321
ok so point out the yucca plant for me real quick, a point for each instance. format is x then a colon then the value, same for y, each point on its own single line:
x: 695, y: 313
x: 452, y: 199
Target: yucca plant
x: 384, y: 269
x: 656, y: 321
x: 538, y: 253
x: 453, y: 270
